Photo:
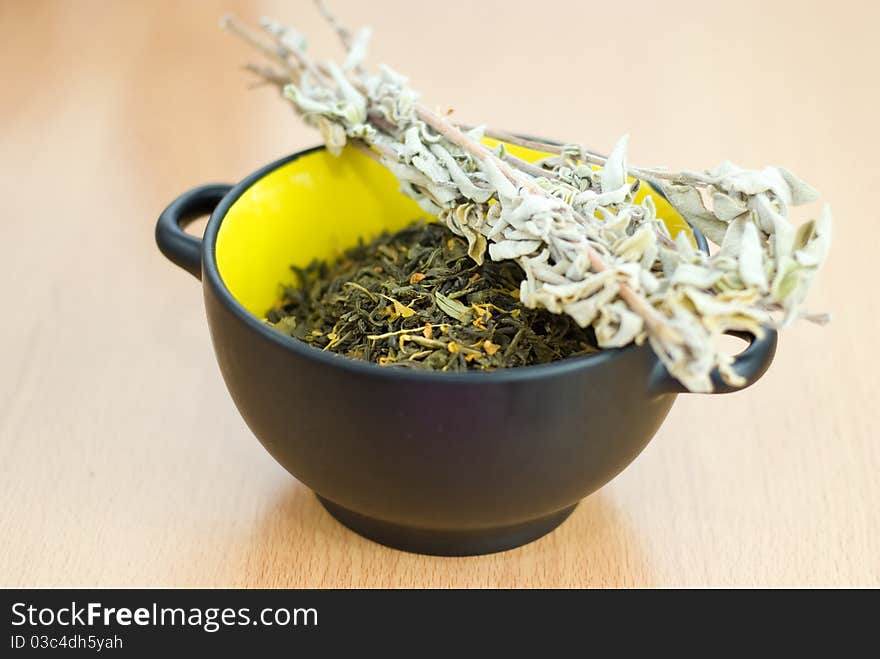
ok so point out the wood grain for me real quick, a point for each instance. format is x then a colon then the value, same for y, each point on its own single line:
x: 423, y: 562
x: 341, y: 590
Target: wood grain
x: 122, y: 459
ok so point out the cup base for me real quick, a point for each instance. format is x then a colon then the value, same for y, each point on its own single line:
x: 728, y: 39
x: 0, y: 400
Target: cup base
x: 446, y: 543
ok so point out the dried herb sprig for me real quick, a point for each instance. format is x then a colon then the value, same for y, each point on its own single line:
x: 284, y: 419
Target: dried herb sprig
x: 415, y: 299
x: 586, y: 249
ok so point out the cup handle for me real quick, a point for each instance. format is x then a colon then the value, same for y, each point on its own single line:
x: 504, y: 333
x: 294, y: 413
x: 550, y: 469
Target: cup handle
x: 750, y: 364
x: 178, y: 246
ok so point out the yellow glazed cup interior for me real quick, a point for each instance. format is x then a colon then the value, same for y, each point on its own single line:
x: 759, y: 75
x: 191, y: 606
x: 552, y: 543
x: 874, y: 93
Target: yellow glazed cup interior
x: 315, y: 207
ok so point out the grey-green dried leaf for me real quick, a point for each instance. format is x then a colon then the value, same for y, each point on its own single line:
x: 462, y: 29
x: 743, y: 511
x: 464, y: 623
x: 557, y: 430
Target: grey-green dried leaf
x: 333, y: 135
x: 801, y: 191
x: 726, y: 208
x: 358, y: 51
x: 786, y: 281
x: 631, y: 248
x: 617, y: 326
x: 751, y: 264
x: 613, y: 174
x: 689, y: 203
x: 695, y: 275
x: 465, y: 185
x: 585, y: 311
x: 453, y: 308
x: 354, y: 108
x: 511, y: 249
x: 816, y: 249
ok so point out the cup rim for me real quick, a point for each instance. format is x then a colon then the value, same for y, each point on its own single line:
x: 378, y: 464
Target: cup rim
x: 211, y: 276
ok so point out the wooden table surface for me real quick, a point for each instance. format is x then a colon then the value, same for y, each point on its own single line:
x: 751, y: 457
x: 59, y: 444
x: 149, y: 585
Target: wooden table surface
x: 123, y: 461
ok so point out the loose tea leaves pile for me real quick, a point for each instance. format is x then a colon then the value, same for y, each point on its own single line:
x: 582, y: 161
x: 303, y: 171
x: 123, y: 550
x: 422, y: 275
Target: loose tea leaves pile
x: 415, y: 299
x: 570, y: 221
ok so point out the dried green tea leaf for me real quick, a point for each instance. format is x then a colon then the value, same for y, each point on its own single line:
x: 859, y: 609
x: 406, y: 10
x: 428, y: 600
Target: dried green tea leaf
x: 399, y: 308
x: 377, y: 302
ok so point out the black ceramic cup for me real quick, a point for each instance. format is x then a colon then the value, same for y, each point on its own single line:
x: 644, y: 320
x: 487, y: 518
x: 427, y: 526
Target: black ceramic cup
x: 436, y: 463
